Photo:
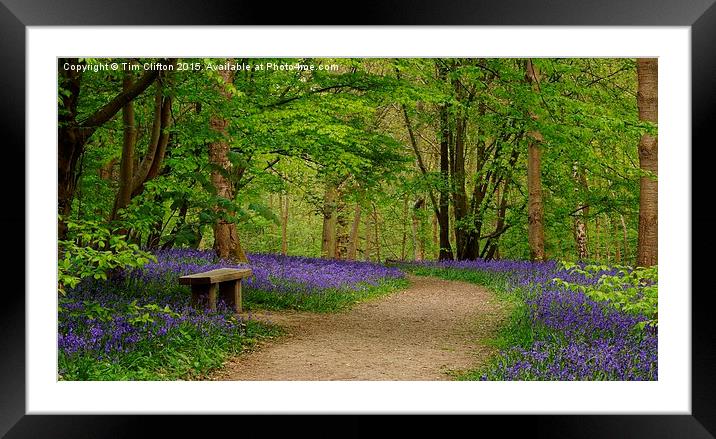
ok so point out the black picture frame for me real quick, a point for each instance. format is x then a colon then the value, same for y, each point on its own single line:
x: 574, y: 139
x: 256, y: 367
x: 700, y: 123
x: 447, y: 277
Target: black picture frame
x: 16, y: 15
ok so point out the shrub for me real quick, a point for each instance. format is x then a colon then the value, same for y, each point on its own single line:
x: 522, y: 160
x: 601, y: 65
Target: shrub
x: 93, y: 250
x: 631, y: 290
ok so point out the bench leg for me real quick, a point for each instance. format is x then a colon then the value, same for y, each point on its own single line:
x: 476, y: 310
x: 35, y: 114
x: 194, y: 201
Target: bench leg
x: 231, y: 293
x: 237, y: 295
x: 196, y: 292
x: 212, y: 297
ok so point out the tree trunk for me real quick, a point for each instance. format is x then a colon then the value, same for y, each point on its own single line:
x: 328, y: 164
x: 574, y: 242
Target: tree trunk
x: 418, y: 247
x: 627, y: 255
x: 457, y: 179
x: 580, y: 225
x: 106, y: 171
x: 273, y: 227
x: 445, y: 252
x: 126, y: 166
x: 70, y: 141
x: 181, y: 221
x: 342, y: 237
x: 226, y: 239
x: 155, y: 235
x: 440, y: 207
x: 467, y: 237
x: 607, y: 239
x: 535, y: 208
x: 534, y: 181
x: 328, y: 241
x: 617, y: 244
x: 404, y: 239
x: 580, y: 236
x: 491, y: 250
x: 133, y: 173
x: 597, y: 239
x: 436, y: 241
x: 647, y: 101
x: 284, y: 224
x: 152, y: 161
x: 353, y: 244
x: 72, y: 135
x: 368, y: 241
x: 376, y: 224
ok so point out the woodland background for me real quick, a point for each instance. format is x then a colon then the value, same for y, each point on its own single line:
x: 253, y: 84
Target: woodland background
x: 377, y: 159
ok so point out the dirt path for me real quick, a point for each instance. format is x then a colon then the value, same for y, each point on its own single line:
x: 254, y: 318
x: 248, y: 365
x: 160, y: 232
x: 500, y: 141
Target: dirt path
x: 433, y: 328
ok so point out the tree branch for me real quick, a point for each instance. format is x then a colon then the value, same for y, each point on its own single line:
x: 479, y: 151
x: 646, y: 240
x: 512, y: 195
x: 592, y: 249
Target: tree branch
x: 111, y: 108
x: 320, y: 90
x: 414, y: 144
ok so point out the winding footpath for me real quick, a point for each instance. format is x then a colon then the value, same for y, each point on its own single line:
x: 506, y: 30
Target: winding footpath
x: 424, y: 333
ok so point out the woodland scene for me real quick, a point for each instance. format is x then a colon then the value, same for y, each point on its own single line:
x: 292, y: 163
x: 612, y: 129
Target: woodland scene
x: 382, y: 218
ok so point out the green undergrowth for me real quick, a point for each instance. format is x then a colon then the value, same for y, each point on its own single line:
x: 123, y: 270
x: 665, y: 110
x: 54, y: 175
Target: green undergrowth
x: 519, y: 331
x: 496, y: 282
x: 184, y: 354
x: 332, y: 300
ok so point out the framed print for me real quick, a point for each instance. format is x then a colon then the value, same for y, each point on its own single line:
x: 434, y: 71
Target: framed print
x: 147, y: 109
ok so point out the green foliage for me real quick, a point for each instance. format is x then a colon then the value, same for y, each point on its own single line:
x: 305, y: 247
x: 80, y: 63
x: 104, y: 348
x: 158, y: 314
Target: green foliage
x: 137, y: 315
x: 92, y: 250
x: 91, y: 310
x: 183, y: 354
x: 496, y: 281
x: 632, y: 290
x: 324, y: 301
x: 141, y: 314
x: 291, y: 131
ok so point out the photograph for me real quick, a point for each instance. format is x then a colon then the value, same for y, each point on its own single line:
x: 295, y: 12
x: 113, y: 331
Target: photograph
x: 357, y: 219
x: 454, y: 211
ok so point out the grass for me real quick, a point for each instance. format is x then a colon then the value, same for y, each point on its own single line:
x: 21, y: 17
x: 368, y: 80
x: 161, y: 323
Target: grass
x: 332, y: 300
x: 519, y: 331
x: 183, y: 354
x: 190, y: 351
x: 495, y: 281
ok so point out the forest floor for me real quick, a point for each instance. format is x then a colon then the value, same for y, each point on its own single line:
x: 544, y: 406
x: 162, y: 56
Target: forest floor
x: 430, y: 331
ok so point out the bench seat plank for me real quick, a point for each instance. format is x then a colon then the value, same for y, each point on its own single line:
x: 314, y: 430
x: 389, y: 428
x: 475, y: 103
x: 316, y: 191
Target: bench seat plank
x: 215, y: 276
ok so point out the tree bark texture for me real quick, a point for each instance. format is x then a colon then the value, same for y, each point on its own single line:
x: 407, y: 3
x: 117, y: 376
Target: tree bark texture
x: 580, y: 225
x: 647, y: 101
x: 368, y: 240
x: 126, y: 166
x: 376, y: 224
x: 284, y: 223
x: 404, y: 240
x: 328, y: 242
x: 152, y: 161
x: 353, y: 243
x: 342, y: 238
x: 444, y: 199
x: 226, y: 240
x: 418, y: 245
x: 534, y: 180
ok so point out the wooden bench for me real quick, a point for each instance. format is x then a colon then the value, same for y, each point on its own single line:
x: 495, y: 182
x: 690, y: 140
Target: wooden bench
x: 228, y: 281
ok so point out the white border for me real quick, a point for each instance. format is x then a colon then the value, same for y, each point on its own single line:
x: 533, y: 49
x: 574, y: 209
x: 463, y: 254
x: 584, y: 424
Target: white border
x: 671, y: 394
